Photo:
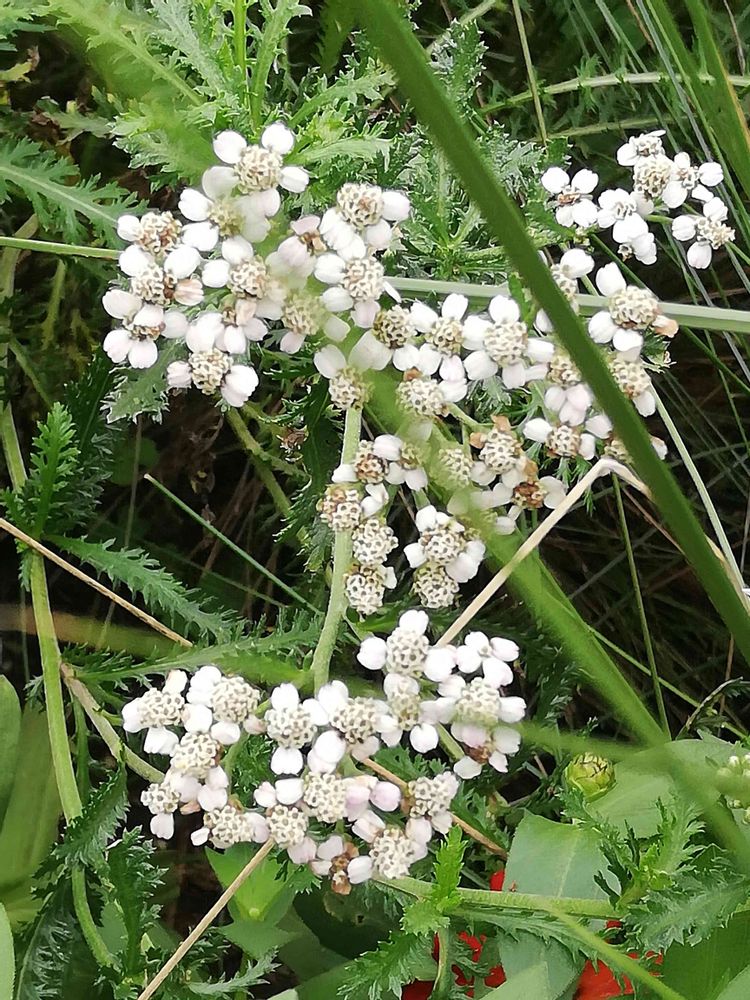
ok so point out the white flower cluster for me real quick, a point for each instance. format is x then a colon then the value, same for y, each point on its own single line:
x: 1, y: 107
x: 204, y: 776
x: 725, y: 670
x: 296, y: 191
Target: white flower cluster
x: 318, y: 792
x: 233, y: 270
x: 659, y: 183
x: 213, y: 714
x: 201, y: 280
x: 469, y: 681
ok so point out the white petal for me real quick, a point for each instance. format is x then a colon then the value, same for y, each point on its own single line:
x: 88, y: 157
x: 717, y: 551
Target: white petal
x: 359, y: 869
x: 467, y: 768
x: 329, y: 361
x: 229, y: 146
x: 285, y: 696
x: 699, y: 255
x: 584, y: 181
x: 710, y: 174
x: 372, y: 653
x: 424, y: 738
x: 537, y: 429
x: 454, y: 306
x: 609, y: 279
x: 289, y: 790
x: 554, y: 179
x: 396, y: 206
x: 683, y: 228
x: 202, y: 235
x: 121, y: 304
x: 504, y: 310
x: 143, y: 354
x: 294, y: 179
x: 162, y: 826
x: 278, y: 137
x: 134, y: 260
x: 423, y: 317
x: 287, y: 761
x: 116, y: 345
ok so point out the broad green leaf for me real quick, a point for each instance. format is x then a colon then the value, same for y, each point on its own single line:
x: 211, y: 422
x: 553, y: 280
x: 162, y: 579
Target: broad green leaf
x: 739, y: 988
x: 530, y: 984
x: 10, y: 728
x: 641, y: 783
x: 30, y: 824
x: 702, y: 971
x: 256, y: 939
x: 554, y: 860
x: 264, y: 896
x: 323, y: 987
x: 7, y: 961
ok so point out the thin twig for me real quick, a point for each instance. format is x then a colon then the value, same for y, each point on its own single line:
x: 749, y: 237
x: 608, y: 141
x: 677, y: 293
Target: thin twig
x: 205, y: 922
x: 602, y: 467
x: 468, y: 829
x: 117, y: 748
x: 144, y: 616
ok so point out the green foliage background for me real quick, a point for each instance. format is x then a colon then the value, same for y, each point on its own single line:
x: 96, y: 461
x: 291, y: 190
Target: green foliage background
x: 108, y: 105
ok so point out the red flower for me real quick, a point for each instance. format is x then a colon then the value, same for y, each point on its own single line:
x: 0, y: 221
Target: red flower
x: 417, y: 991
x: 497, y: 880
x: 599, y: 984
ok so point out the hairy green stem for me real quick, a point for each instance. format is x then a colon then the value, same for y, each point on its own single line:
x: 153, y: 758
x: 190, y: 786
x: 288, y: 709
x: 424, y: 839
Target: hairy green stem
x: 116, y: 747
x: 529, y: 902
x: 698, y: 317
x: 261, y: 461
x: 90, y: 931
x: 342, y: 557
x: 658, y: 694
x: 239, y: 35
x: 63, y: 249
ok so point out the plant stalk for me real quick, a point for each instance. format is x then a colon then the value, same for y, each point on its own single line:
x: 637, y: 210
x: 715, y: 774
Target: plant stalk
x: 342, y: 557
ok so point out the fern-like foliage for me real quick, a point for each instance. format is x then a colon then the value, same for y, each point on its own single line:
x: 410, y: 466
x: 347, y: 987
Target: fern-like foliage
x: 88, y: 834
x: 59, y: 197
x: 380, y: 974
x: 15, y: 15
x: 162, y: 593
x: 54, y: 960
x: 131, y: 878
x: 50, y: 494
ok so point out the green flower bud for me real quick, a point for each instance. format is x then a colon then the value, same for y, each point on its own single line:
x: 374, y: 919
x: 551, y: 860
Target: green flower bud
x: 591, y: 775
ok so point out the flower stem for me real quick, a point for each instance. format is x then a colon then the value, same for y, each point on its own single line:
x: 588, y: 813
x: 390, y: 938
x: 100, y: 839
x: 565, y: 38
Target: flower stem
x: 342, y: 557
x: 530, y: 902
x: 63, y: 249
x: 90, y: 931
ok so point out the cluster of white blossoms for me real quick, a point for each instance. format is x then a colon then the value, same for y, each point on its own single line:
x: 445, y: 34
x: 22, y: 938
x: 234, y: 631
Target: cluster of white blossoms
x: 659, y: 184
x: 237, y: 269
x: 323, y: 806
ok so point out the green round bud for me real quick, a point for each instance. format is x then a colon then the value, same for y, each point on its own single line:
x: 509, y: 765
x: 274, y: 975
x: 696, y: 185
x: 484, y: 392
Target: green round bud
x: 591, y: 775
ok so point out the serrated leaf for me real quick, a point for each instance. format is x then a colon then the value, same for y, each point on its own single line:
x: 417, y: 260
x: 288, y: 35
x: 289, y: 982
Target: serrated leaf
x: 380, y: 975
x: 58, y: 196
x: 131, y: 878
x: 139, y: 391
x: 87, y: 836
x: 56, y: 962
x: 50, y: 493
x: 161, y: 591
